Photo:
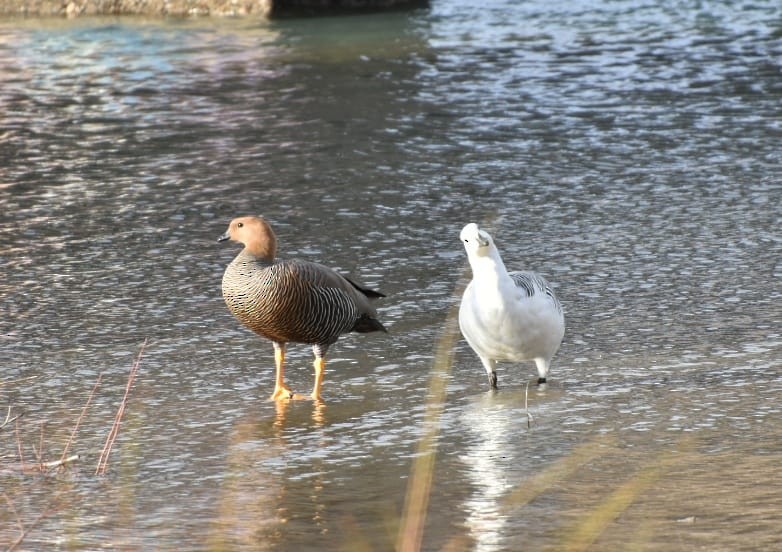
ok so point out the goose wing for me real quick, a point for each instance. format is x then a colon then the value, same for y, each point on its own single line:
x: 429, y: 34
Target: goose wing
x: 531, y: 284
x: 346, y: 299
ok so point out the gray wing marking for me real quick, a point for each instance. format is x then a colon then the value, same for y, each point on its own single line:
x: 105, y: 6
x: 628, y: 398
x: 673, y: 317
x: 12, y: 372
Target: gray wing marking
x: 532, y: 284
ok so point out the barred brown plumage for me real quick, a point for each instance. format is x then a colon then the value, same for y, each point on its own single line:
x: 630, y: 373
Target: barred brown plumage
x: 292, y: 300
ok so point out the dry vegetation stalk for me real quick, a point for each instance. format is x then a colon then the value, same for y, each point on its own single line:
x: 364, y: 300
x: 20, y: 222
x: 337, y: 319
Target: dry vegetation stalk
x: 14, y: 382
x: 557, y: 472
x: 103, y: 461
x: 39, y: 452
x: 81, y: 416
x: 419, y: 485
x: 9, y: 419
x: 57, y: 503
x: 584, y: 534
x: 19, y: 447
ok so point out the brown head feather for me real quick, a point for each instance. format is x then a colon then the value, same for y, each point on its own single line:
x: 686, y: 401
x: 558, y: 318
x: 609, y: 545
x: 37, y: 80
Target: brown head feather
x: 256, y: 235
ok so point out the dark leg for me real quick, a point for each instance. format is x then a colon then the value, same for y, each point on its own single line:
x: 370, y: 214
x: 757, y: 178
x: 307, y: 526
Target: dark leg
x: 489, y: 365
x: 493, y: 381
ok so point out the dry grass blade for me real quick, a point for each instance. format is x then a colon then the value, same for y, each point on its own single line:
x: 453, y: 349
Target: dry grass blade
x: 530, y: 419
x: 529, y: 489
x: 39, y: 451
x: 12, y: 507
x: 9, y: 419
x: 19, y: 447
x: 56, y: 504
x: 420, y: 482
x: 103, y: 461
x: 60, y: 462
x: 586, y: 532
x: 81, y: 416
x: 20, y: 380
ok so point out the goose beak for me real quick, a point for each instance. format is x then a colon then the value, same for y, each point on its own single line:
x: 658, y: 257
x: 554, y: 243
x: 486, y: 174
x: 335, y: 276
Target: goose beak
x: 224, y: 237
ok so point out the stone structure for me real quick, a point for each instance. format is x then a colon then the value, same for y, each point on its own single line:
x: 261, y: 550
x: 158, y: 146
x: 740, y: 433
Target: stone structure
x: 268, y: 8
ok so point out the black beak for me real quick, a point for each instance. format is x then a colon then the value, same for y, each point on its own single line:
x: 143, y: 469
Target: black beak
x: 224, y: 237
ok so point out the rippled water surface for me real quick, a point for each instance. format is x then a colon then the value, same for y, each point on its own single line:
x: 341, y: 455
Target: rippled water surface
x: 628, y: 151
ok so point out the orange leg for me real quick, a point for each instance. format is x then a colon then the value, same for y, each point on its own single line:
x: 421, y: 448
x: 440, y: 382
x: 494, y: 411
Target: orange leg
x: 281, y: 391
x: 320, y: 365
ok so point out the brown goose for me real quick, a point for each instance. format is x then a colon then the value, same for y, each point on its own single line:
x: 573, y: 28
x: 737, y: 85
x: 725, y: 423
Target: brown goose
x: 292, y: 300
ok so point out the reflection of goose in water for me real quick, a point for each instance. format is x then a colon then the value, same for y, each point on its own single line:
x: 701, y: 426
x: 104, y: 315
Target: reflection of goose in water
x: 249, y: 513
x: 495, y: 462
x: 256, y: 500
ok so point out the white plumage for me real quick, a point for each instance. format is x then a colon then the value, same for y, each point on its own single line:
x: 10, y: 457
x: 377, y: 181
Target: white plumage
x: 507, y: 316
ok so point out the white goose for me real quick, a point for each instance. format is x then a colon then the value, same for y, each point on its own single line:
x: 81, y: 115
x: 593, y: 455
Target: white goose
x: 507, y: 316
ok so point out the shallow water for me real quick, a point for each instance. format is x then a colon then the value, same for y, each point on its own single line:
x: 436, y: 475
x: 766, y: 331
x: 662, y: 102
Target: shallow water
x: 630, y: 153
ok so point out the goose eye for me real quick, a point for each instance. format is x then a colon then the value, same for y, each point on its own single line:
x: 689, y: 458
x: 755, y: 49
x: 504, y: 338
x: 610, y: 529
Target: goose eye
x: 239, y: 225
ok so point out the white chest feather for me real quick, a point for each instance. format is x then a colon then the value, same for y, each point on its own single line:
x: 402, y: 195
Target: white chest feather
x: 503, y: 321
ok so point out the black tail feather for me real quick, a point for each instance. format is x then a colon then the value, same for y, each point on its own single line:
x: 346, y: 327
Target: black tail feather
x: 371, y: 293
x: 367, y: 324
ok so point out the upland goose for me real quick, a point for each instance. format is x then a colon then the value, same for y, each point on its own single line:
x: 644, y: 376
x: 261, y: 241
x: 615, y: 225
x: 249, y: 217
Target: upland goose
x: 292, y: 300
x: 505, y: 315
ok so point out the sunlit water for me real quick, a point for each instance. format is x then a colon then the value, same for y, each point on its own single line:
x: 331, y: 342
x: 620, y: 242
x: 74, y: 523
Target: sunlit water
x: 628, y: 151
